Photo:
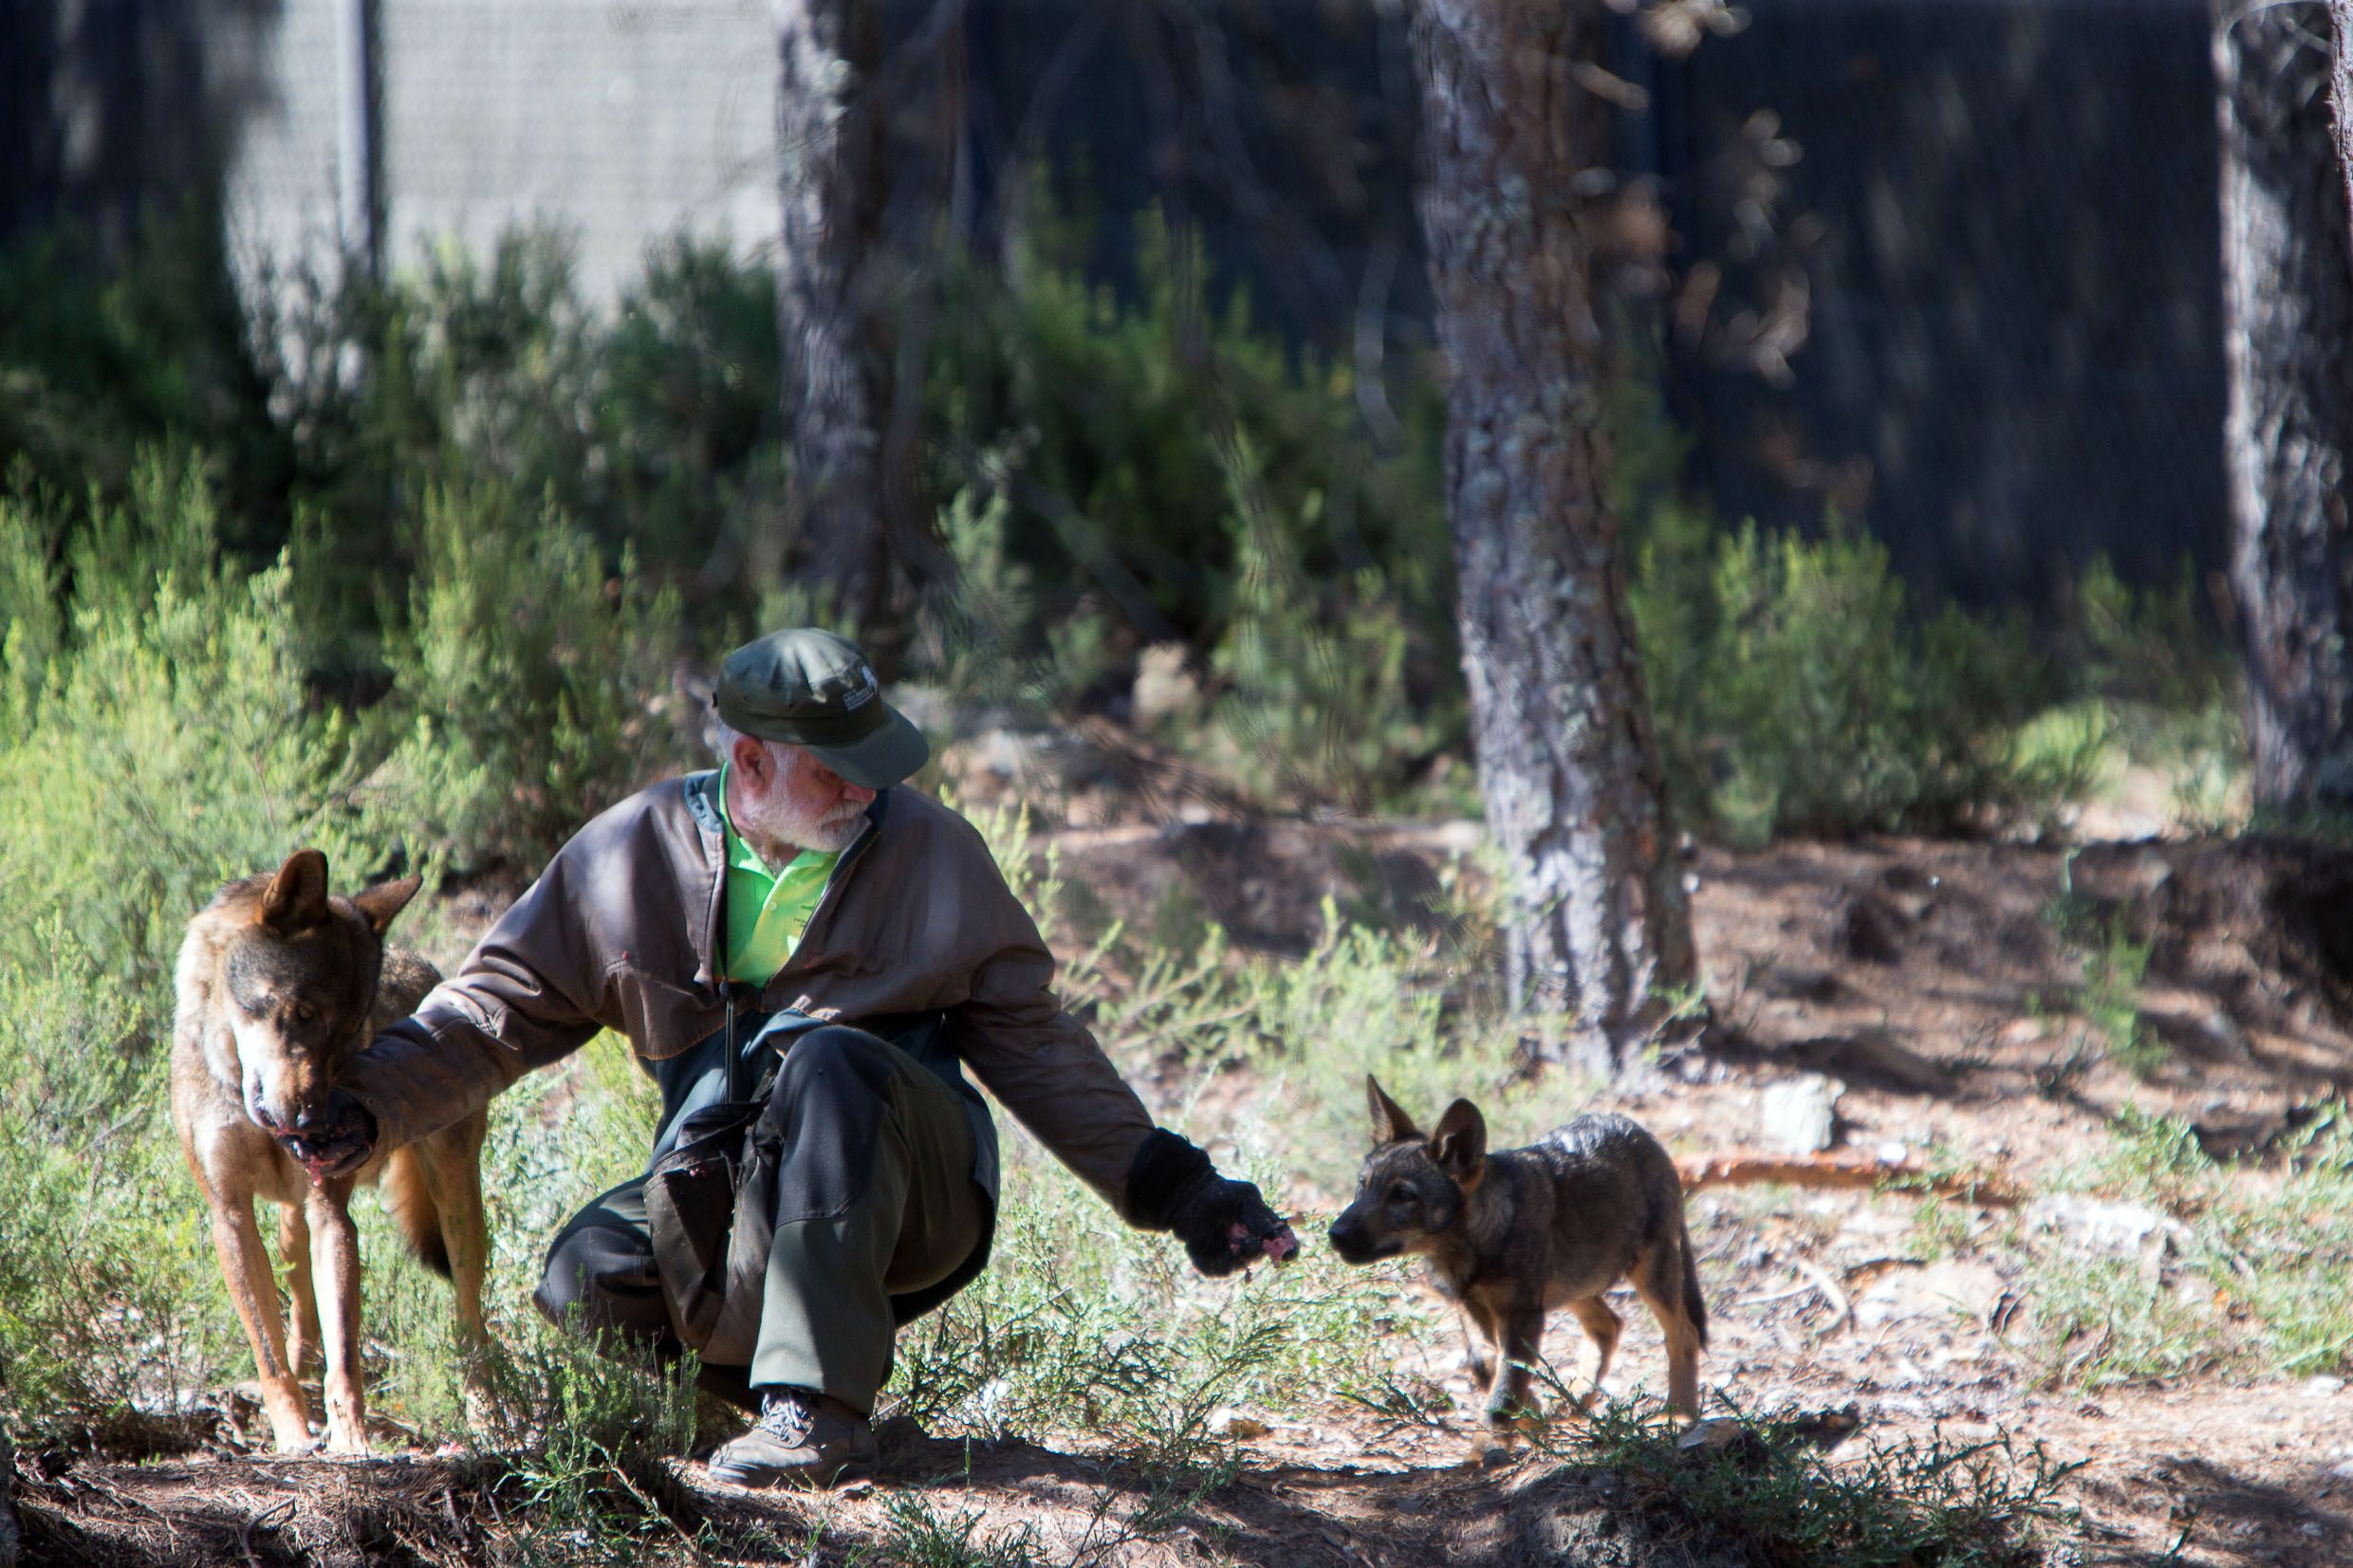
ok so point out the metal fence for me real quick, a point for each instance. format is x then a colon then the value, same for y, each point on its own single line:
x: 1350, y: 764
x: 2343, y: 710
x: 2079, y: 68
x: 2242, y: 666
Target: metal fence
x: 1960, y: 256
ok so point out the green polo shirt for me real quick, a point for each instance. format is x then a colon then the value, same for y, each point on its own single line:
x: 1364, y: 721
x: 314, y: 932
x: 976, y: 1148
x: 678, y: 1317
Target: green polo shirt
x: 767, y: 912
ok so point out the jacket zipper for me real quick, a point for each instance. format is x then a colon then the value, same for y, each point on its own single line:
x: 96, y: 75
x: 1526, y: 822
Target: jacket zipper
x: 825, y: 897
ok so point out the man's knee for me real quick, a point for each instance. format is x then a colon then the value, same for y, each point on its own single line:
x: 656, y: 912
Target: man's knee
x: 565, y: 1297
x: 833, y: 1064
x: 597, y: 1281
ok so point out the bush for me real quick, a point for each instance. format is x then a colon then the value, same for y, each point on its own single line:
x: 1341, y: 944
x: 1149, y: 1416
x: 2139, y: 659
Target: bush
x: 102, y: 357
x: 1314, y: 694
x: 2263, y: 1252
x: 538, y: 684
x: 1796, y: 689
x: 111, y: 1310
x: 168, y: 743
x: 1177, y: 469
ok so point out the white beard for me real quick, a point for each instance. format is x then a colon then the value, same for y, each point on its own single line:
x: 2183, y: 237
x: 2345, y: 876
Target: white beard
x: 777, y: 832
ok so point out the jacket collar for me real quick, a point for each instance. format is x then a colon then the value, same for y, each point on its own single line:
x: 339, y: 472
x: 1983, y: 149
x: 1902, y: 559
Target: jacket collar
x: 702, y: 805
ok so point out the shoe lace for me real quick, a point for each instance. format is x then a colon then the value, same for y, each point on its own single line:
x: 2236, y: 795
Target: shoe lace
x: 787, y: 1416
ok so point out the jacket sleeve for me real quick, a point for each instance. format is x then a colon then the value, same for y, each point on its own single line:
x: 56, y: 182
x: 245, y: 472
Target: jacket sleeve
x: 1040, y: 1062
x: 530, y: 995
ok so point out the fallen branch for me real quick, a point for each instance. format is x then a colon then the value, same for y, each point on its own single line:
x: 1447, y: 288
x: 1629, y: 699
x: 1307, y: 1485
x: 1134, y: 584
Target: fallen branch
x: 1841, y: 1310
x: 1843, y: 1169
x: 264, y: 1523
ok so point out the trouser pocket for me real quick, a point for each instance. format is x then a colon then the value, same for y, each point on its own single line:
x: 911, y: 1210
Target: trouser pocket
x: 694, y: 1198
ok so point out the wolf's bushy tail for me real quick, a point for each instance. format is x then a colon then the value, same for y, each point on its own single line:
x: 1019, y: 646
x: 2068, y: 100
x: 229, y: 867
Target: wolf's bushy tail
x: 1695, y: 1307
x: 410, y: 1203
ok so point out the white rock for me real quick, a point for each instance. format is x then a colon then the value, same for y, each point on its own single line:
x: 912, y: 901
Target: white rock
x: 2114, y: 1230
x: 1798, y: 1115
x: 1946, y: 1294
x: 2322, y: 1387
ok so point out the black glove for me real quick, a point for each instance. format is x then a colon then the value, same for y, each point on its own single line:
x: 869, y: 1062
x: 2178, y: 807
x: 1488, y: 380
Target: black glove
x: 1225, y: 1224
x: 336, y: 1145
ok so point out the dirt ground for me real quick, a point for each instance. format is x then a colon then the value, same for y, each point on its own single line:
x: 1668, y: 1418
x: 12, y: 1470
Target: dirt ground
x: 1926, y: 978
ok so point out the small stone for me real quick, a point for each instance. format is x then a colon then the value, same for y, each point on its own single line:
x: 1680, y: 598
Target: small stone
x: 1235, y: 1426
x: 1715, y: 1434
x: 2314, y: 1528
x: 988, y: 1405
x: 2322, y: 1387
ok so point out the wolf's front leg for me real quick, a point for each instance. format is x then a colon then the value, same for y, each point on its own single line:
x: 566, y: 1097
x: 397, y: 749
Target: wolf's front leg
x: 1479, y: 1343
x: 254, y: 1290
x: 1511, y: 1406
x: 335, y: 1264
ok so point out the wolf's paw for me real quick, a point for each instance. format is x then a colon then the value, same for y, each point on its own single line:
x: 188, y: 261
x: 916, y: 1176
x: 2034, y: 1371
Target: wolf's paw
x: 294, y: 1440
x: 1508, y: 1421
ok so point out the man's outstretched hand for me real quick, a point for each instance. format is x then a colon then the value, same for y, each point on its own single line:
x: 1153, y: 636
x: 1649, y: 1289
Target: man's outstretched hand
x: 1225, y: 1224
x: 336, y: 1145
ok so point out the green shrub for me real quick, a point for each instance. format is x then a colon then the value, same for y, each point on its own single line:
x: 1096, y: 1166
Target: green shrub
x: 102, y: 357
x: 111, y: 1308
x: 1797, y: 689
x: 537, y: 683
x: 1313, y: 691
x: 1775, y: 1500
x: 1814, y: 703
x: 2255, y: 1275
x: 172, y: 743
x: 1173, y: 466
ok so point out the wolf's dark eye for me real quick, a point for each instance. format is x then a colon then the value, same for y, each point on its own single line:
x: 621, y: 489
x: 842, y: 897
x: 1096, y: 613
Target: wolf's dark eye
x: 304, y: 1012
x: 1398, y: 1193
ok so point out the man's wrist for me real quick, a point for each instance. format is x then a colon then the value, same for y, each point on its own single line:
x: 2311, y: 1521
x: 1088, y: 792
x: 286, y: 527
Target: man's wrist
x: 1166, y: 1170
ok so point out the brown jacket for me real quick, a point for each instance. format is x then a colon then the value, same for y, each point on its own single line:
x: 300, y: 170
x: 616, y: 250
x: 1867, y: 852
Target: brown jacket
x: 620, y: 933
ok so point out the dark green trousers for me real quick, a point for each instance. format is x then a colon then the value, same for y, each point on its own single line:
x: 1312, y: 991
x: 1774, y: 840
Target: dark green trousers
x: 875, y: 1201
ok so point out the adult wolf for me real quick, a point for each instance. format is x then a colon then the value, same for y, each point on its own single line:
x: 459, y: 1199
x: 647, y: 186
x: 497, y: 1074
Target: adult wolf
x: 279, y: 983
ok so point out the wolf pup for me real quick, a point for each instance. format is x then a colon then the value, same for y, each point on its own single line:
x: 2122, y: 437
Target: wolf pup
x: 279, y: 984
x: 1512, y: 1235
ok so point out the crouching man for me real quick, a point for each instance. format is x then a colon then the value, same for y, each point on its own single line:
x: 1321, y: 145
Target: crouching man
x: 797, y: 919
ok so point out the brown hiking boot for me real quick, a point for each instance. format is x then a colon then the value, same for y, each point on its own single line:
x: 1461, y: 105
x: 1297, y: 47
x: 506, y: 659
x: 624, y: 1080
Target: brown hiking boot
x: 801, y: 1439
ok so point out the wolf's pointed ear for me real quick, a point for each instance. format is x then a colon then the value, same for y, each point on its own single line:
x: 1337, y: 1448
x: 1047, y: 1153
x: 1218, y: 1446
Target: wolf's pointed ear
x: 386, y: 899
x: 296, y: 898
x: 1390, y: 1122
x: 1459, y: 1145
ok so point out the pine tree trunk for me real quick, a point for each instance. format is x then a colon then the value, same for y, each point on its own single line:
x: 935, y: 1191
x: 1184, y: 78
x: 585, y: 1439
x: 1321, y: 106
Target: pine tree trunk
x: 1568, y: 763
x: 2288, y: 312
x: 833, y: 177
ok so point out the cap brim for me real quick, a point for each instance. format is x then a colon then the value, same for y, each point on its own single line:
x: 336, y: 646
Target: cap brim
x: 888, y: 756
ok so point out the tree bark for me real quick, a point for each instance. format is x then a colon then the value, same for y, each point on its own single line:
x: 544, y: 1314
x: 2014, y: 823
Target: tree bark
x: 1599, y: 928
x: 833, y: 182
x: 2288, y: 312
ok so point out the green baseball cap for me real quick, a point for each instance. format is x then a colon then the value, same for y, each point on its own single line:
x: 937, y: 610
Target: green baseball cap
x: 809, y: 688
